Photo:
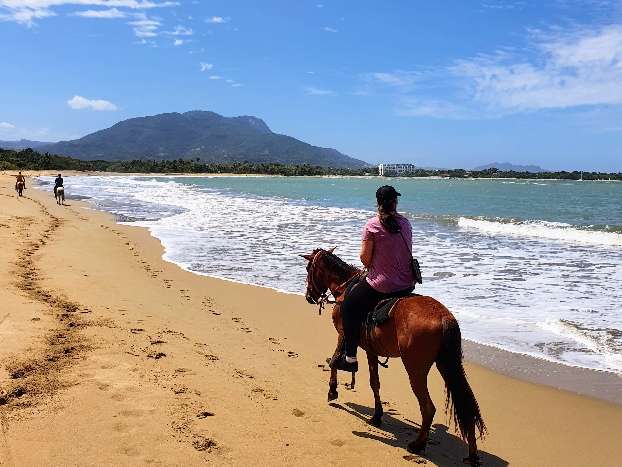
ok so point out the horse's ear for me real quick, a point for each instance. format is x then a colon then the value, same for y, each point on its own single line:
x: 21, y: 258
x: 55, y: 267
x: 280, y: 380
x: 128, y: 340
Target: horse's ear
x: 331, y: 250
x: 307, y: 257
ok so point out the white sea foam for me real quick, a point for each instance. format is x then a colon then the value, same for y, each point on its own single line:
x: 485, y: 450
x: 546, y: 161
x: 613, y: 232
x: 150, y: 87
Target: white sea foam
x: 514, y: 291
x: 542, y: 229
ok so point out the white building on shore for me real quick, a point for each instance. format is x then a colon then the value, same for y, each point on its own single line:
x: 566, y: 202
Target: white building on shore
x: 395, y: 169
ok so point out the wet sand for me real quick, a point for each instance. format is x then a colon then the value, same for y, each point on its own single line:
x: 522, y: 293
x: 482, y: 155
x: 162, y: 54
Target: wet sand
x: 112, y: 356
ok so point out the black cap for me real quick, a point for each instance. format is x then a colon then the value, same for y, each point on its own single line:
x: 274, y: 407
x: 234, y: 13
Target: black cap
x: 387, y: 193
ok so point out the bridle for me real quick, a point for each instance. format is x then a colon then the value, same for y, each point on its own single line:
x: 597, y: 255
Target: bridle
x: 323, y: 296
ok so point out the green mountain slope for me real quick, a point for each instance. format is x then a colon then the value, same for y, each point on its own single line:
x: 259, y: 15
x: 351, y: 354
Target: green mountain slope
x: 206, y: 136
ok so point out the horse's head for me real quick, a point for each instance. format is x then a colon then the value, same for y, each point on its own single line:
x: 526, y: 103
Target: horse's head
x: 317, y: 276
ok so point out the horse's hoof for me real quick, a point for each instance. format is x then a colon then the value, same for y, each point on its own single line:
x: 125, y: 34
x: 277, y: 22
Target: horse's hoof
x: 472, y: 461
x: 375, y: 421
x: 415, y: 447
x: 332, y: 395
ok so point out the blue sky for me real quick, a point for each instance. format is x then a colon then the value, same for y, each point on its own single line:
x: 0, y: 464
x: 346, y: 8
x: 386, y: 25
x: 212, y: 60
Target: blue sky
x: 444, y: 83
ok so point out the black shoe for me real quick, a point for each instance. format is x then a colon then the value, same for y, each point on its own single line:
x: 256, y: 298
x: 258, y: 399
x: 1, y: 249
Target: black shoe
x: 341, y: 364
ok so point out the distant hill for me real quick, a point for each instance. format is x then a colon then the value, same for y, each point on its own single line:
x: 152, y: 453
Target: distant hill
x: 206, y: 136
x: 506, y: 166
x: 22, y: 144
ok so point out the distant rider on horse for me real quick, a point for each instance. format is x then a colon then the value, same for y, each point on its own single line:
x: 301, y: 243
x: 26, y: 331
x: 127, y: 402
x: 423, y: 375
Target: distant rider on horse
x: 20, y: 178
x: 58, y: 183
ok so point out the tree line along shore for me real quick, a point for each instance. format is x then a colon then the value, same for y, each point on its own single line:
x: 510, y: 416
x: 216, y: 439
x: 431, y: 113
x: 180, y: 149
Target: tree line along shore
x: 29, y: 159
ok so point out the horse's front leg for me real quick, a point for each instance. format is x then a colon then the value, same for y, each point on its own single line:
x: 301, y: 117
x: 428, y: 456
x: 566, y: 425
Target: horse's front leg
x: 374, y: 382
x: 332, y: 383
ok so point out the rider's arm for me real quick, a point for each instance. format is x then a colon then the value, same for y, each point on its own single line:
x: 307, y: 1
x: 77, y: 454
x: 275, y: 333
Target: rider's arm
x: 367, y: 248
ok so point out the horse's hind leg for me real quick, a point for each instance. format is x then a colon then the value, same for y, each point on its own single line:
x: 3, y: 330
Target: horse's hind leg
x: 418, y: 374
x: 374, y: 382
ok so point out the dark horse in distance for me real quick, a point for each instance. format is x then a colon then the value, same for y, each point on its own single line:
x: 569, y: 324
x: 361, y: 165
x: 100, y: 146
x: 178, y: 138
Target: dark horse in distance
x: 19, y: 187
x: 421, y: 331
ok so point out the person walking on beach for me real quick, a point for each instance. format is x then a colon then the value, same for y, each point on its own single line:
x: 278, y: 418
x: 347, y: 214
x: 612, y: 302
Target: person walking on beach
x: 57, y: 183
x: 386, y: 254
x: 20, y: 178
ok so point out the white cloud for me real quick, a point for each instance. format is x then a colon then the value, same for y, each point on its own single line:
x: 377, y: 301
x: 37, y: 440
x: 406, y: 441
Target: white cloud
x: 25, y: 15
x: 560, y: 69
x: 179, y: 31
x: 107, y: 14
x: 145, y: 27
x: 78, y: 103
x: 432, y: 108
x: 330, y: 29
x: 398, y: 78
x: 205, y: 66
x: 320, y: 6
x: 230, y: 81
x: 6, y: 125
x: 178, y: 42
x: 236, y: 85
x: 215, y: 77
x: 25, y: 11
x: 216, y: 19
x: 318, y: 92
x: 573, y: 69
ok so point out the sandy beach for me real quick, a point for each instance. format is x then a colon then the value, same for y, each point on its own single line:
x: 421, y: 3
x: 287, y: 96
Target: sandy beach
x: 112, y: 356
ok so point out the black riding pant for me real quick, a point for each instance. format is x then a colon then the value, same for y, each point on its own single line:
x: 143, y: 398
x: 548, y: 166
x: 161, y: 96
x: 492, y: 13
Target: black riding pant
x: 357, y: 304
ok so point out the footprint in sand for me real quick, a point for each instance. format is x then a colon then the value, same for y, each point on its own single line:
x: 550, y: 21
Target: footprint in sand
x: 297, y: 413
x: 337, y: 442
x: 415, y: 459
x: 156, y: 355
x: 292, y: 354
x: 205, y: 414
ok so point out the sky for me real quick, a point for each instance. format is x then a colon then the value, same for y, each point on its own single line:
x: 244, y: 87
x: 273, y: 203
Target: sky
x: 449, y: 83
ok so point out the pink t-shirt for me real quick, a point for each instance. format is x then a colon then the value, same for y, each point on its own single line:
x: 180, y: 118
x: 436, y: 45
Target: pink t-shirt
x: 390, y: 269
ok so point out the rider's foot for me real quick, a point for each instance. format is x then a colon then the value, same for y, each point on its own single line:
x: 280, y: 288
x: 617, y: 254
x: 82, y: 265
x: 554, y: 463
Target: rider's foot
x: 341, y: 364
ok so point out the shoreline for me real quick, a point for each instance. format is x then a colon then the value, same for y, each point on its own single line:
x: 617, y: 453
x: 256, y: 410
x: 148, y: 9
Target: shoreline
x: 34, y: 173
x: 164, y: 367
x: 601, y: 384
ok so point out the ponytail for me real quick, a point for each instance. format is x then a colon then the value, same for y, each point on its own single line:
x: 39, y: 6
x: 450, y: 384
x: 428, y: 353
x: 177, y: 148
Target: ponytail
x: 388, y: 220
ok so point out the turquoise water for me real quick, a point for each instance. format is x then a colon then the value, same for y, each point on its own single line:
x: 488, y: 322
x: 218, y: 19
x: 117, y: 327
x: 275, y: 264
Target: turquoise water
x: 528, y: 266
x: 586, y: 204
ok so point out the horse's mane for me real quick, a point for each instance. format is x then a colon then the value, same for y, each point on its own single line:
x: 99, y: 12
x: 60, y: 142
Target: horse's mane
x: 335, y: 264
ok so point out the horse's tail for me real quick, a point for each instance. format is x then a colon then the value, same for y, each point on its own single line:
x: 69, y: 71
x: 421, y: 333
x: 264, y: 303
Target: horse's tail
x: 459, y: 395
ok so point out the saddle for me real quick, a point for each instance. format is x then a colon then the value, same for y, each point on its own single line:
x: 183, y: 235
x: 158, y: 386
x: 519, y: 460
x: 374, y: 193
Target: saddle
x: 383, y: 311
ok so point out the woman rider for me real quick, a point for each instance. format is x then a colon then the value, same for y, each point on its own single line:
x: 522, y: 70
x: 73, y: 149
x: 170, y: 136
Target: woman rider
x: 386, y: 253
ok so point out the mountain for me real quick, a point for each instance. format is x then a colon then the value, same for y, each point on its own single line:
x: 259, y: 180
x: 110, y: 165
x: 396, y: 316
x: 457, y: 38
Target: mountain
x: 22, y: 144
x: 506, y: 167
x: 206, y: 136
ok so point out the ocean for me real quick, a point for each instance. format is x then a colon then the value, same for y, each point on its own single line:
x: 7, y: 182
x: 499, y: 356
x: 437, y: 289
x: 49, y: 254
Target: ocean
x: 533, y: 267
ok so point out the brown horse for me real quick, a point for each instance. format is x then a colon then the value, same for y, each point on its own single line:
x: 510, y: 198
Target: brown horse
x: 19, y: 186
x: 421, y: 332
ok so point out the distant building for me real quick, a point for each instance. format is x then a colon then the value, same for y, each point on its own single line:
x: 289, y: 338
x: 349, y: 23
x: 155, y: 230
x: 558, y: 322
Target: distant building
x: 396, y: 169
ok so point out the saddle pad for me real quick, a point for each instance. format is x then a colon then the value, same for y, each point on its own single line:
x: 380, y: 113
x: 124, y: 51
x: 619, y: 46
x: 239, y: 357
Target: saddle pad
x: 384, y: 310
